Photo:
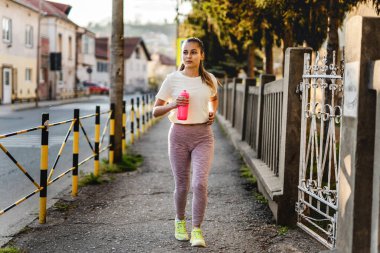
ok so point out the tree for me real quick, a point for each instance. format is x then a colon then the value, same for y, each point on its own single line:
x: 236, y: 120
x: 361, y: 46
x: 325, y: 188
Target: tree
x: 220, y: 59
x: 117, y: 73
x: 259, y: 24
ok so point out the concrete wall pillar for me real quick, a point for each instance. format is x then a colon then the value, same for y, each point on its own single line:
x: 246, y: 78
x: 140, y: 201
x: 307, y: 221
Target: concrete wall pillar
x: 375, y: 235
x: 357, y: 137
x: 290, y: 135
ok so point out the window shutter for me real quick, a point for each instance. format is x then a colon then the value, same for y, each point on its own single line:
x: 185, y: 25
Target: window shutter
x: 1, y: 84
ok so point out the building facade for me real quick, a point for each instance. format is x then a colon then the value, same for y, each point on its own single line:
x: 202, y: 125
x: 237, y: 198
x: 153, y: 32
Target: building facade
x: 102, y: 54
x: 18, y: 51
x: 61, y: 34
x: 158, y: 68
x: 86, y: 62
x: 136, y: 58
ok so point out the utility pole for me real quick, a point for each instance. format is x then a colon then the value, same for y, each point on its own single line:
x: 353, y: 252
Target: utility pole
x: 38, y: 52
x: 117, y: 73
x: 177, y: 19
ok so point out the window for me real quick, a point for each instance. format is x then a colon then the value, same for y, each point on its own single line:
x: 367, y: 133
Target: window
x: 42, y: 77
x: 102, y: 67
x: 70, y: 48
x: 60, y: 42
x: 28, y: 74
x: 7, y: 77
x: 7, y: 30
x: 86, y: 44
x: 29, y: 36
x: 137, y: 51
x: 60, y: 76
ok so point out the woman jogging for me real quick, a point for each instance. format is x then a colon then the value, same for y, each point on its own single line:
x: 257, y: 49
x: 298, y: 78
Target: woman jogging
x: 191, y: 141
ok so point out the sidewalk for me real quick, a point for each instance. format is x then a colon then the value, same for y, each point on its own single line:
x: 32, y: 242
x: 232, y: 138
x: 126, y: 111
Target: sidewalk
x: 134, y: 212
x: 9, y: 108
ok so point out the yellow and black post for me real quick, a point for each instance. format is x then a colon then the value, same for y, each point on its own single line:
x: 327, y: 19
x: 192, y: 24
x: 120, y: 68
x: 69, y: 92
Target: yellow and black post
x: 44, y: 163
x: 112, y: 135
x: 138, y: 117
x: 147, y: 111
x: 132, y: 121
x: 74, y: 189
x: 123, y: 135
x: 151, y: 108
x: 143, y: 114
x: 97, y: 140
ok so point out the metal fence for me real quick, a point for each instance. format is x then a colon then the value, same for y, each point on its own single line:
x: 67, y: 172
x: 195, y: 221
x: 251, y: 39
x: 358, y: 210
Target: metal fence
x: 255, y: 113
x: 140, y: 120
x: 263, y: 119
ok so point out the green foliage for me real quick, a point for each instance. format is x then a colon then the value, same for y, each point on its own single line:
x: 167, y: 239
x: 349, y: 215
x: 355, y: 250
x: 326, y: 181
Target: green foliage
x: 61, y: 206
x: 10, y: 250
x: 260, y: 198
x: 90, y: 179
x: 247, y: 174
x: 231, y: 27
x: 130, y: 162
x: 220, y: 59
x: 283, y: 230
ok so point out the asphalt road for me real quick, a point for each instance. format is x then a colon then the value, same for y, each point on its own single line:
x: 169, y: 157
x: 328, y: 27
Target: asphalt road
x: 25, y: 148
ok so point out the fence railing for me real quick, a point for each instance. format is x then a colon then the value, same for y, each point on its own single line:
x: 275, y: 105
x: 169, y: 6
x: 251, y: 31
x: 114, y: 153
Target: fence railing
x: 97, y: 147
x: 263, y: 120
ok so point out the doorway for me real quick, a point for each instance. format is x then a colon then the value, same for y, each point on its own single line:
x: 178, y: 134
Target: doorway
x: 7, y: 85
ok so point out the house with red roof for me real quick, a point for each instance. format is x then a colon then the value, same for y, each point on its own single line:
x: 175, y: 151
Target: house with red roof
x: 136, y: 57
x: 61, y: 33
x: 102, y: 54
x: 85, y: 58
x: 18, y: 51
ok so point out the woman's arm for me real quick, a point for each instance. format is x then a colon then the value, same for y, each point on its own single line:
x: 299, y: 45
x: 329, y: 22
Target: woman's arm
x: 212, y: 108
x: 160, y: 107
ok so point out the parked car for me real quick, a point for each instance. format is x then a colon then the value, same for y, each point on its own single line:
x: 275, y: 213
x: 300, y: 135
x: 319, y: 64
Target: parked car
x: 96, y: 88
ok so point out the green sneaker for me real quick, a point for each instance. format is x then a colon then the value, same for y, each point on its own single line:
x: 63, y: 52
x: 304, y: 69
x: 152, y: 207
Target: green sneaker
x: 197, y: 239
x: 180, y: 230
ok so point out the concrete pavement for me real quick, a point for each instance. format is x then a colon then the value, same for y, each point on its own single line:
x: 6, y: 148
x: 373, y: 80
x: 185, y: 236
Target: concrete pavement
x: 134, y: 211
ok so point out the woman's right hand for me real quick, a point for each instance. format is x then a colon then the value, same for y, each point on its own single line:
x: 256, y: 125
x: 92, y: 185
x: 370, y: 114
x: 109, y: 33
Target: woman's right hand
x: 181, y: 101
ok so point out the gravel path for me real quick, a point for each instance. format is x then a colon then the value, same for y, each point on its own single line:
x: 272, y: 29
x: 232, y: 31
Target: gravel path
x: 134, y: 211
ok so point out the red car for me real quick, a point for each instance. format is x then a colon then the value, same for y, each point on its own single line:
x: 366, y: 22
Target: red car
x: 95, y: 88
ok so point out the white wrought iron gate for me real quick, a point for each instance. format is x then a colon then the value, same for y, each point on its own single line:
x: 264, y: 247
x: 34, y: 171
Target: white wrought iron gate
x: 322, y: 100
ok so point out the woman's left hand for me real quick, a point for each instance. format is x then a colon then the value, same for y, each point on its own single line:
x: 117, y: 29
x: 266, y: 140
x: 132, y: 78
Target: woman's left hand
x: 211, y: 117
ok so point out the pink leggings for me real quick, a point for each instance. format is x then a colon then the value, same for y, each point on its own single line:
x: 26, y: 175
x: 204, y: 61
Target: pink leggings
x: 191, y: 144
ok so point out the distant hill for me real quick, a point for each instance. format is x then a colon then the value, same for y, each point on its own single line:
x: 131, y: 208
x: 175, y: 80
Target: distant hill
x: 159, y: 38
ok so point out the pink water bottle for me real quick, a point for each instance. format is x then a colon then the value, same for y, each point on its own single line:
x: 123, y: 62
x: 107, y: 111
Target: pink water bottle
x: 183, y: 109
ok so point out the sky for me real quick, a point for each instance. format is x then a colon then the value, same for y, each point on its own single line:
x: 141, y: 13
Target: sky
x: 154, y: 11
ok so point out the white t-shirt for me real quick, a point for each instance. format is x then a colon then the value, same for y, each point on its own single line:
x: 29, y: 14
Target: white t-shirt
x: 199, y: 94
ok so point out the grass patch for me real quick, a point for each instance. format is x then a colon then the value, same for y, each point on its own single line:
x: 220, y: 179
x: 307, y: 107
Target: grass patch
x: 10, y: 250
x: 90, y: 179
x: 62, y: 207
x: 283, y: 230
x: 260, y: 198
x: 129, y: 162
x: 247, y: 174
